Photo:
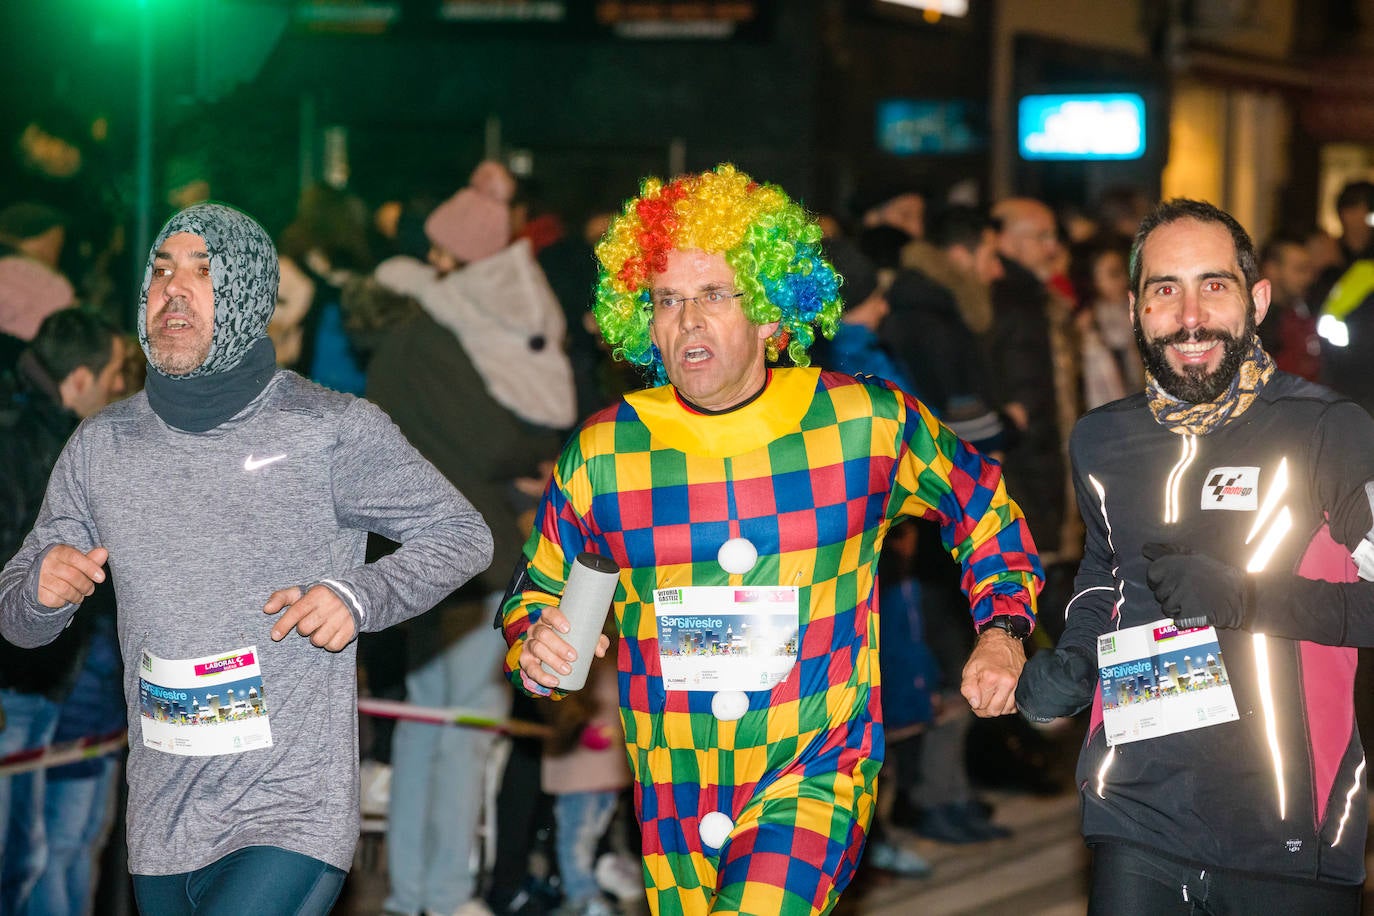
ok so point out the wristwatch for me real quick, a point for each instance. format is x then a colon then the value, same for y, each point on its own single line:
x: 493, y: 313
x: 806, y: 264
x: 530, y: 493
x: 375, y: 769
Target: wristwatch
x: 1018, y: 627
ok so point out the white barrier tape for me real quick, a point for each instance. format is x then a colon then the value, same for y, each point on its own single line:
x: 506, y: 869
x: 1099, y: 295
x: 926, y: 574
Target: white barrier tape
x: 449, y: 715
x: 27, y: 761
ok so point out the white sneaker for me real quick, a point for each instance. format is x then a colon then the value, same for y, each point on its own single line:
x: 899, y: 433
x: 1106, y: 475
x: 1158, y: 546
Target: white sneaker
x: 620, y: 876
x: 896, y: 859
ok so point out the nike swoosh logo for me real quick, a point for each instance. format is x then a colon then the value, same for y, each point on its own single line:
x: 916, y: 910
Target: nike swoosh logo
x: 252, y: 464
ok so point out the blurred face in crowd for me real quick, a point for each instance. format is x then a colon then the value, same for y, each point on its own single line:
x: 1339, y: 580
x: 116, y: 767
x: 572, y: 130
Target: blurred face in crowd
x: 1110, y: 279
x: 981, y: 263
x: 595, y: 227
x: 86, y: 391
x: 1194, y: 318
x: 1029, y: 236
x: 712, y: 352
x: 1079, y: 227
x: 986, y: 263
x: 295, y: 293
x: 386, y: 219
x: 1356, y: 230
x: 1290, y: 273
x: 1323, y: 250
x: 907, y: 212
x: 181, y: 305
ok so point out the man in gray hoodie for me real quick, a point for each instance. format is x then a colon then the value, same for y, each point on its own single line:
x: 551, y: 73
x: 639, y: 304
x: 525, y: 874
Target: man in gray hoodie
x: 231, y: 501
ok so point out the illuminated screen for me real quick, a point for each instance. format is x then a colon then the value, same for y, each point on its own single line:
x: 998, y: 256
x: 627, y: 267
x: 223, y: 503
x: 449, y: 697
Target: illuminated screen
x: 913, y: 127
x: 1105, y: 126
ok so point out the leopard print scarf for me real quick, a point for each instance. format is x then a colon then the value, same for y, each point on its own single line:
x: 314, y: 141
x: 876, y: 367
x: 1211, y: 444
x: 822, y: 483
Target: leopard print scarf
x: 1200, y: 419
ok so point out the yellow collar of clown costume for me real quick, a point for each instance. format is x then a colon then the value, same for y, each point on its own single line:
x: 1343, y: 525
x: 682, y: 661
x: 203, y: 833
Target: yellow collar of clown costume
x: 778, y: 410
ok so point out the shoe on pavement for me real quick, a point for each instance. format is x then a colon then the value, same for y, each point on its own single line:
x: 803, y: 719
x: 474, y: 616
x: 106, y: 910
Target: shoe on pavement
x: 892, y: 858
x: 975, y: 815
x: 958, y: 823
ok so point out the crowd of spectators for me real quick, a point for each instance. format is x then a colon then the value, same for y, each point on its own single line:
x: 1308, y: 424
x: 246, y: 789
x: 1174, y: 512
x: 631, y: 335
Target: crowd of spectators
x: 463, y: 312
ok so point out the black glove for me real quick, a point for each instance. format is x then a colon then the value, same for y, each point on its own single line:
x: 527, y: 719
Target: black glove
x: 1196, y: 590
x: 1056, y: 683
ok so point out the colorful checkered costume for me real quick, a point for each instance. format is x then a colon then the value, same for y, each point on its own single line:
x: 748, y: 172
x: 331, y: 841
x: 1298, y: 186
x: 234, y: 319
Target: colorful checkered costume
x: 814, y: 471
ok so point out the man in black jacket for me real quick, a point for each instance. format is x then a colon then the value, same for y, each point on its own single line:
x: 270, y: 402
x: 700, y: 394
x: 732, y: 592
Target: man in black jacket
x: 70, y: 371
x: 1228, y: 514
x: 1027, y: 361
x: 940, y: 309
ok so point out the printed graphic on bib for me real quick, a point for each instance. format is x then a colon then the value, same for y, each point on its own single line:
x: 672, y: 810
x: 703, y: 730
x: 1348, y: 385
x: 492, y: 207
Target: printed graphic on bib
x: 1158, y: 680
x: 721, y: 637
x: 1231, y: 488
x: 201, y: 707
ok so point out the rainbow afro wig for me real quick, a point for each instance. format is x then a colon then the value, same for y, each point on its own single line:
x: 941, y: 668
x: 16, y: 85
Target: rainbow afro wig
x: 771, y: 243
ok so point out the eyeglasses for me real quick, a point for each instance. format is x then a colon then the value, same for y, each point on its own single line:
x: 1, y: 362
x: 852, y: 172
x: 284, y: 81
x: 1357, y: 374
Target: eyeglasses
x: 710, y: 301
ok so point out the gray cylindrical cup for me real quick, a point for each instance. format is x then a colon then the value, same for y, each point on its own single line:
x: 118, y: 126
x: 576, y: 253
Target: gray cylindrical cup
x: 585, y: 602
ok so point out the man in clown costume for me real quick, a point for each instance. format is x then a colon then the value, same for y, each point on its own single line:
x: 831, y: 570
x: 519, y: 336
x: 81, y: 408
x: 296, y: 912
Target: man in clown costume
x: 746, y: 506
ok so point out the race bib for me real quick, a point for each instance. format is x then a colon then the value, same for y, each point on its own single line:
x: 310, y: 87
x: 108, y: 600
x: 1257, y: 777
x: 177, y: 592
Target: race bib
x: 1158, y: 680
x: 722, y: 637
x: 201, y: 707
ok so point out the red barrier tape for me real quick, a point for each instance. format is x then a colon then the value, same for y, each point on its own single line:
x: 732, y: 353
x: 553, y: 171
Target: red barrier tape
x: 38, y: 758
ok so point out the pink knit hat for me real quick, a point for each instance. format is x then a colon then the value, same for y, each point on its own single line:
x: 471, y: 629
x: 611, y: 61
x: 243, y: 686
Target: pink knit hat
x: 29, y: 292
x: 475, y: 223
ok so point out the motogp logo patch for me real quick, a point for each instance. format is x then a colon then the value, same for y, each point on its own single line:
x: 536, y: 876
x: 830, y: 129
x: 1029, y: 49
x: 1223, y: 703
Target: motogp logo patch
x: 1236, y: 489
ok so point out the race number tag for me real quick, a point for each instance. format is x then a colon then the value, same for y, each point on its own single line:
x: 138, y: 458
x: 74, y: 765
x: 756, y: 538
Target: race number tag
x: 1158, y: 680
x: 722, y: 637
x: 201, y: 707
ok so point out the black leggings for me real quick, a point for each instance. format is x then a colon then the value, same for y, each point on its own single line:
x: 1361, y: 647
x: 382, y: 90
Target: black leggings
x: 1127, y: 880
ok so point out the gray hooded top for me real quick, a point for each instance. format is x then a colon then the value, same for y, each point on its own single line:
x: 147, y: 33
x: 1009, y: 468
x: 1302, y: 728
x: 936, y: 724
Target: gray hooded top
x: 244, y: 273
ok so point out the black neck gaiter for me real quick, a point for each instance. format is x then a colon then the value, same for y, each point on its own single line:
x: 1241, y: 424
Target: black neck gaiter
x: 199, y: 404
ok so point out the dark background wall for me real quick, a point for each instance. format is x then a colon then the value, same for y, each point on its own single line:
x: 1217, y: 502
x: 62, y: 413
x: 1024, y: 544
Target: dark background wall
x: 244, y: 89
x: 870, y: 57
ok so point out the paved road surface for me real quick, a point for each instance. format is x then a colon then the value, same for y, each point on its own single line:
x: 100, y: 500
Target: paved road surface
x: 1040, y: 870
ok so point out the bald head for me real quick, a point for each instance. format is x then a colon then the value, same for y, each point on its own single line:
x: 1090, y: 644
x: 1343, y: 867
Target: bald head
x: 1028, y: 234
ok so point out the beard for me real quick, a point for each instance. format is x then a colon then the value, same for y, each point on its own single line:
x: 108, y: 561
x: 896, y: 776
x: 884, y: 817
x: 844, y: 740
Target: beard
x: 173, y: 361
x: 1195, y: 385
x: 173, y: 357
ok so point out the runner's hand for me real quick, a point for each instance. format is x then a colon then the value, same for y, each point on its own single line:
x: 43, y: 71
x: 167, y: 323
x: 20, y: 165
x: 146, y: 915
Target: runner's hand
x: 989, y: 681
x: 69, y: 576
x: 319, y: 614
x: 544, y: 643
x: 1054, y: 683
x: 1197, y: 590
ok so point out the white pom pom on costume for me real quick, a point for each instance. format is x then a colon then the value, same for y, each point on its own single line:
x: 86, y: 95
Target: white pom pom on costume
x: 737, y: 556
x: 715, y: 829
x: 729, y: 705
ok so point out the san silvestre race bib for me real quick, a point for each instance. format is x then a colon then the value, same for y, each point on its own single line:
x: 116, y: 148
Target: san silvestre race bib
x: 723, y: 637
x: 201, y: 707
